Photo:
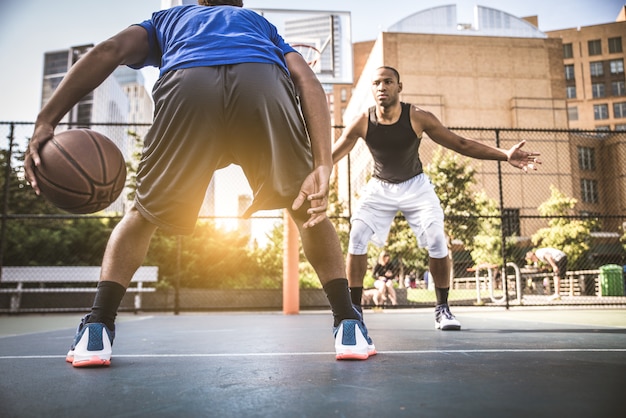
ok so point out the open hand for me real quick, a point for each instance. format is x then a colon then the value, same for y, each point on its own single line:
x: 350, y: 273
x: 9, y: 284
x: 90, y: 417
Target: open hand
x: 522, y: 159
x: 314, y: 189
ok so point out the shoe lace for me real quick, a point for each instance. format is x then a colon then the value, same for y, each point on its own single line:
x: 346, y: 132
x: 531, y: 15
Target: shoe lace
x: 444, y: 310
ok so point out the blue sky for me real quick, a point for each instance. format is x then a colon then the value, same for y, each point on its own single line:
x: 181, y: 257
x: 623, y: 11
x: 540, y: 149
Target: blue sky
x: 28, y: 28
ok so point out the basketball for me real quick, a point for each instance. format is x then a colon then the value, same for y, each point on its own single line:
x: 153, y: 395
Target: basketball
x: 81, y: 171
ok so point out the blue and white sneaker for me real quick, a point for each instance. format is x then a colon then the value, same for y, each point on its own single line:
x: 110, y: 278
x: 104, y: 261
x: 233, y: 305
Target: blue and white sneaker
x: 444, y: 320
x: 350, y: 341
x: 371, y: 349
x: 92, y: 345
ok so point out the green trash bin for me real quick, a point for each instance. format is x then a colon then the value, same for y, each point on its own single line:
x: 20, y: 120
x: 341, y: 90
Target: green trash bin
x: 611, y: 280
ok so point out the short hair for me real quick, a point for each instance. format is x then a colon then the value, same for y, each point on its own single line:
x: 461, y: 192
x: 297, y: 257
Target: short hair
x: 238, y: 3
x: 393, y: 70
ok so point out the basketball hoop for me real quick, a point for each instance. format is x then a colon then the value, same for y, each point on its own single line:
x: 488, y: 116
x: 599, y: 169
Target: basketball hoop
x: 310, y: 54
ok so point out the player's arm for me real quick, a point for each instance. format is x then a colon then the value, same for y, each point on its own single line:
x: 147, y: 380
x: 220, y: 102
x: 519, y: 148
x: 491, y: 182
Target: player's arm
x: 317, y: 119
x: 424, y: 121
x: 349, y: 137
x: 550, y: 260
x: 130, y: 46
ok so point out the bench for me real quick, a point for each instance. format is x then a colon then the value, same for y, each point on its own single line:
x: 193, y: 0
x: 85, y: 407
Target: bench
x: 576, y: 282
x: 17, y: 281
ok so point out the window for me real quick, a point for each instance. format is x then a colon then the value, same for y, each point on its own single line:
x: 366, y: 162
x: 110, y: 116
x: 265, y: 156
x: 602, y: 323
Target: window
x: 568, y: 51
x: 619, y: 110
x: 597, y: 90
x: 600, y: 111
x: 55, y: 63
x: 569, y: 72
x: 595, y: 47
x: 617, y: 66
x: 510, y: 222
x: 596, y: 69
x: 344, y: 94
x: 615, y: 45
x: 618, y: 89
x: 571, y: 92
x: 586, y: 158
x: 572, y: 113
x: 620, y: 127
x: 589, y: 190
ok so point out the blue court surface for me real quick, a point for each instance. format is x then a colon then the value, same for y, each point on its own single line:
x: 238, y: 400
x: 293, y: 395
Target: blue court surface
x: 518, y: 363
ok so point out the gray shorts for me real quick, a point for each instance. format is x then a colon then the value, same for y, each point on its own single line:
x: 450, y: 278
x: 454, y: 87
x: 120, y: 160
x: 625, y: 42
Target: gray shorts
x: 207, y: 118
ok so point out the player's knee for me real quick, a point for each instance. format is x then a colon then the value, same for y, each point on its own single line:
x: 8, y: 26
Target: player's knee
x: 437, y: 242
x: 360, y: 235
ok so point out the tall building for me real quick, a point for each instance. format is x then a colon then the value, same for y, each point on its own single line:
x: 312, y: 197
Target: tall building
x: 106, y: 104
x: 593, y: 60
x: 595, y: 82
x: 140, y: 105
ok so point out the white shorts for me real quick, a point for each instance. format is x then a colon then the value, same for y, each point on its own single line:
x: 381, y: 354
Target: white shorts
x: 418, y: 202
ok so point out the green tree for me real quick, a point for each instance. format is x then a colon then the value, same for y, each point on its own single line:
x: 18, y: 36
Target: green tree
x: 487, y: 245
x: 572, y: 236
x: 52, y: 239
x: 454, y: 178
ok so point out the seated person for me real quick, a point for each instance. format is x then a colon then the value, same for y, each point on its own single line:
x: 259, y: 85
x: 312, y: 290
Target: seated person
x: 384, y: 273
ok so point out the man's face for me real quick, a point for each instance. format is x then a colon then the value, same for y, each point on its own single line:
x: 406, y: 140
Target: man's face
x: 385, y: 87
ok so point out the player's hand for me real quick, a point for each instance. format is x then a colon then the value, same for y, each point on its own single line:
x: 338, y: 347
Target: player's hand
x: 522, y: 159
x: 314, y: 189
x: 42, y: 133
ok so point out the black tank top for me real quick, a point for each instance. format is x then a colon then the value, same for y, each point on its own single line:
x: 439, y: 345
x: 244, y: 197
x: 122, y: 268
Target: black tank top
x: 395, y: 148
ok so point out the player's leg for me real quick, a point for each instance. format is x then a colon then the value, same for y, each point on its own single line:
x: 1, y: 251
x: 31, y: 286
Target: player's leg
x: 560, y: 276
x: 172, y: 179
x: 322, y: 249
x: 125, y: 251
x: 370, y: 223
x: 356, y: 260
x: 268, y: 139
x: 423, y: 212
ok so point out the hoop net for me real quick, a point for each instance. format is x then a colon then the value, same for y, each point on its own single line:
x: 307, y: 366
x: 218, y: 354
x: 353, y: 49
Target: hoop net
x: 310, y: 54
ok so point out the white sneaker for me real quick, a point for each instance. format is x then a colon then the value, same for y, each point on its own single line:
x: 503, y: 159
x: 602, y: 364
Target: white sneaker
x: 92, y: 345
x: 351, y: 342
x: 444, y: 320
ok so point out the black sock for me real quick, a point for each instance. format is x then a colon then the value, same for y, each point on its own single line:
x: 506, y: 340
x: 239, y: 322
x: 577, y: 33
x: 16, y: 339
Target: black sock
x: 442, y: 295
x: 356, y: 294
x: 338, y: 296
x: 106, y: 303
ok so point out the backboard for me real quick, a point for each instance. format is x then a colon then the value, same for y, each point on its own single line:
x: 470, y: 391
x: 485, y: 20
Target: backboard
x: 330, y: 32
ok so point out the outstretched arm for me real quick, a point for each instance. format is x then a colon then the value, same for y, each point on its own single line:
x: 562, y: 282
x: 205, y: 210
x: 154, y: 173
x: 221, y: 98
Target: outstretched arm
x: 349, y: 138
x: 130, y: 46
x: 427, y: 122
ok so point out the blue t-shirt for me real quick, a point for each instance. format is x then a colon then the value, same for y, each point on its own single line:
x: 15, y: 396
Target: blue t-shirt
x: 205, y: 36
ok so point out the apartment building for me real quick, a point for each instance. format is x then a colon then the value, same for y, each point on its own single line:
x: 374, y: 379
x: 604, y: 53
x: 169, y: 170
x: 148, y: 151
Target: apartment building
x: 593, y: 60
x: 593, y: 65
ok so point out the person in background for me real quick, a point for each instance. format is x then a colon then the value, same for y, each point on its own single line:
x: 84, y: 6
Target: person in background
x: 393, y: 131
x: 384, y: 273
x: 557, y: 260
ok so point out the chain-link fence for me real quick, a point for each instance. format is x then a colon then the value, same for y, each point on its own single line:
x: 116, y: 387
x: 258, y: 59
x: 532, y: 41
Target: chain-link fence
x: 495, y: 214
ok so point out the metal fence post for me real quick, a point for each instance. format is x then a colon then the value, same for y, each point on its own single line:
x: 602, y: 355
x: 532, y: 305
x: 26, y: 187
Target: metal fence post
x: 5, y: 200
x: 505, y: 281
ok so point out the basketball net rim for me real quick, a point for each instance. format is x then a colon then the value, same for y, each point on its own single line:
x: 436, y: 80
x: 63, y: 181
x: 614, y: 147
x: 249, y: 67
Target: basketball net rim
x: 310, y: 53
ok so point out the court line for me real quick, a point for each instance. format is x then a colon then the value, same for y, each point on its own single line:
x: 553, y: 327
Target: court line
x: 318, y: 353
